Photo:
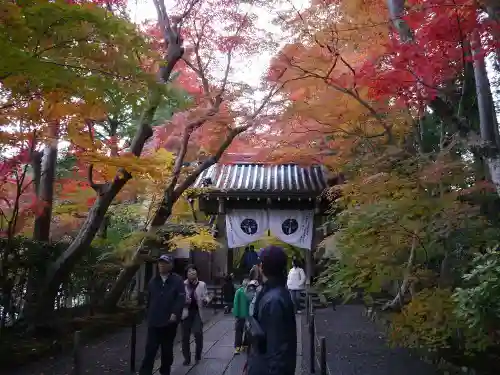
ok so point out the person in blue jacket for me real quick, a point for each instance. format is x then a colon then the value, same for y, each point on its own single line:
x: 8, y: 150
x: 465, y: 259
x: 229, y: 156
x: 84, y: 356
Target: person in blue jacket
x: 275, y: 351
x: 166, y: 298
x: 249, y: 259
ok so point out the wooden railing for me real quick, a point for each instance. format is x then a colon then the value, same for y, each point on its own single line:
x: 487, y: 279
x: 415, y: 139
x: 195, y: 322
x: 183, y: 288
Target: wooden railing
x: 215, y: 292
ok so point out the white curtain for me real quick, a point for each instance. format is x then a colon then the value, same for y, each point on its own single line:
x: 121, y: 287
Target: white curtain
x: 293, y: 227
x: 245, y: 226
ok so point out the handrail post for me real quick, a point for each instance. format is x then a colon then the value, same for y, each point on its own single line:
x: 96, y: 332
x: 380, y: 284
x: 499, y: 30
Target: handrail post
x: 312, y: 344
x: 77, y: 363
x: 322, y: 356
x: 311, y: 304
x: 133, y: 344
x: 306, y: 308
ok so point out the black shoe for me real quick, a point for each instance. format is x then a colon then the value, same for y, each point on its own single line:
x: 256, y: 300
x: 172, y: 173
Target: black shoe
x: 198, y: 358
x: 186, y: 362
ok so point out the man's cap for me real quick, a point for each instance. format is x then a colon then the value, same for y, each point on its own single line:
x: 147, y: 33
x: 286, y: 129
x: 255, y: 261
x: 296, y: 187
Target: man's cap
x: 165, y: 258
x: 274, y: 259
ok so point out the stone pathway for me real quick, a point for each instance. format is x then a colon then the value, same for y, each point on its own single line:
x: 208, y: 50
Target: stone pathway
x: 356, y: 346
x: 108, y: 355
x: 218, y: 349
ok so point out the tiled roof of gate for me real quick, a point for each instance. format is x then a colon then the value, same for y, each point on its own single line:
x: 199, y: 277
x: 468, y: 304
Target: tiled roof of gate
x: 263, y: 178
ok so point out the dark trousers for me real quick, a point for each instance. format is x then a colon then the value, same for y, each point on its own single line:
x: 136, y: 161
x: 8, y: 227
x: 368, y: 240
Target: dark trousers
x: 295, y: 294
x: 228, y: 306
x: 239, y: 333
x: 162, y: 337
x: 192, y: 325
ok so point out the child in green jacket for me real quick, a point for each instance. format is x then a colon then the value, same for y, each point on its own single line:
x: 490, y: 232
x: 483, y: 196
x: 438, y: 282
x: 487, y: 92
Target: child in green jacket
x: 240, y: 312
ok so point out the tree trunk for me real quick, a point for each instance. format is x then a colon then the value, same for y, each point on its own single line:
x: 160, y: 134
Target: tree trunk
x: 61, y: 268
x: 45, y: 190
x: 124, y: 278
x: 398, y: 300
x: 396, y: 12
x: 173, y: 192
x: 103, y: 230
x: 488, y: 124
x: 44, y: 170
x: 36, y: 164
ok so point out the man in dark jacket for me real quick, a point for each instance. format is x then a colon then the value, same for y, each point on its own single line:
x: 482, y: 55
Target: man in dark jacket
x: 274, y: 353
x: 228, y: 292
x: 166, y: 298
x: 249, y: 259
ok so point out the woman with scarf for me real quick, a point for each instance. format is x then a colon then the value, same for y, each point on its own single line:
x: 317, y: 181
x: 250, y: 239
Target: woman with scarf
x: 193, y: 314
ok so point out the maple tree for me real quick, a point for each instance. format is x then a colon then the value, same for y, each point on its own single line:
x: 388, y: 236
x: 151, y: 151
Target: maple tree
x: 71, y: 59
x: 385, y: 93
x: 201, y: 135
x: 50, y: 91
x: 393, y: 95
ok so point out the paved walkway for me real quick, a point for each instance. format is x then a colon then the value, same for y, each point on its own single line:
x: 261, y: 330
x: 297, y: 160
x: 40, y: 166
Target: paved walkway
x: 218, y: 349
x: 356, y: 346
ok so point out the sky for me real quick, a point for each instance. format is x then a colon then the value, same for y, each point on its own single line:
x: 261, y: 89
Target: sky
x: 142, y: 10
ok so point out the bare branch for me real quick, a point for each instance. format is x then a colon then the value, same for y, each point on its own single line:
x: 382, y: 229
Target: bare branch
x: 218, y: 97
x: 98, y: 188
x: 162, y: 16
x: 233, y: 133
x: 346, y: 91
x: 188, y: 11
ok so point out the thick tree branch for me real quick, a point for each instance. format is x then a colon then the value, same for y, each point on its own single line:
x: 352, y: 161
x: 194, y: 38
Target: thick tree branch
x: 191, y: 178
x: 406, y: 281
x: 396, y: 12
x: 233, y: 133
x: 96, y: 187
x: 352, y: 93
x: 60, y: 268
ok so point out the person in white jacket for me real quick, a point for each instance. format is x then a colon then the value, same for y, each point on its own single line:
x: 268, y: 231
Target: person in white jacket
x: 193, y: 314
x: 296, y: 283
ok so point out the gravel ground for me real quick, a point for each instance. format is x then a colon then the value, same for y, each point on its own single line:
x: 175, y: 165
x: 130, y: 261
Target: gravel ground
x: 355, y: 346
x: 109, y: 355
x: 104, y: 356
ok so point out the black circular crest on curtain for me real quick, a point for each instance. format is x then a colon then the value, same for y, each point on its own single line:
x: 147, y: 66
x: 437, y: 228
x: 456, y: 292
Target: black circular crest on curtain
x: 289, y: 226
x: 249, y: 226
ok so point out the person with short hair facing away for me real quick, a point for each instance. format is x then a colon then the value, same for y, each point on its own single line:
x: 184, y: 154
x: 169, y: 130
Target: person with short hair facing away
x: 240, y: 312
x: 249, y: 259
x: 256, y: 271
x: 251, y: 292
x: 256, y: 282
x: 273, y: 328
x: 296, y: 283
x: 228, y: 291
x: 166, y: 296
x: 193, y: 314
